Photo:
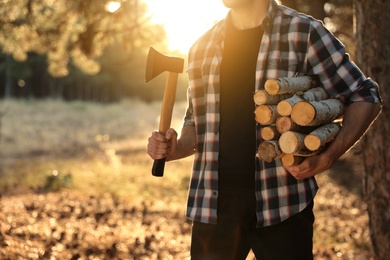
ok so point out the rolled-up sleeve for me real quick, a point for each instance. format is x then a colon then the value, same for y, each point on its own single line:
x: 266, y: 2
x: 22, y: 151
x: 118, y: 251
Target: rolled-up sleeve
x: 327, y: 59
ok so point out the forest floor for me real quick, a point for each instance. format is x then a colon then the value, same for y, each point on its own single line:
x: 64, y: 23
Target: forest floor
x: 75, y: 183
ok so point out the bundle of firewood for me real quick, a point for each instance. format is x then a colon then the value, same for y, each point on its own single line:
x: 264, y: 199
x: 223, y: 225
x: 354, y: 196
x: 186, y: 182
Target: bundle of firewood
x: 298, y: 117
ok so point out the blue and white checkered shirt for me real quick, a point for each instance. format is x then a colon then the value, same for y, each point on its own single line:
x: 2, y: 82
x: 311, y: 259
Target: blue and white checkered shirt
x: 293, y: 44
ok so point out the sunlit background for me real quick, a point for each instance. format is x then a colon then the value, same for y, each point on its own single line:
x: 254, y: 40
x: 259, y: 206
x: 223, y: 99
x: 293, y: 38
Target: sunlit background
x: 185, y: 20
x: 63, y: 47
x: 75, y: 115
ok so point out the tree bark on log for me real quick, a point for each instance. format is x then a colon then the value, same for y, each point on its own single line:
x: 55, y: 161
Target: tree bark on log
x: 322, y: 135
x: 373, y: 50
x: 285, y: 123
x: 315, y: 94
x: 284, y: 107
x: 315, y: 113
x: 290, y: 85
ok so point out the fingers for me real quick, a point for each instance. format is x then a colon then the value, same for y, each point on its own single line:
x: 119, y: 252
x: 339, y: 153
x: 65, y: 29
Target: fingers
x: 160, y: 145
x: 171, y: 136
x: 309, y: 167
x: 157, y: 146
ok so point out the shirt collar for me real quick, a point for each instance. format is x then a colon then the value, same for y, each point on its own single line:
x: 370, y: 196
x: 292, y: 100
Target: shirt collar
x: 270, y: 16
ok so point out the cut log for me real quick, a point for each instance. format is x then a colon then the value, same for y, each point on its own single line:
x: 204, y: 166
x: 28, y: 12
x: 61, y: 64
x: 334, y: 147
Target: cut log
x: 315, y: 94
x: 266, y: 115
x: 292, y: 142
x: 290, y: 159
x: 316, y: 113
x: 261, y: 97
x: 269, y: 133
x: 285, y: 123
x: 290, y: 85
x: 322, y: 135
x: 284, y: 107
x: 269, y: 151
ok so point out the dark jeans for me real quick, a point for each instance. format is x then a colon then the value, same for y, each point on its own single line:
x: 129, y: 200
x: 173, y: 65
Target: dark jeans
x: 236, y: 233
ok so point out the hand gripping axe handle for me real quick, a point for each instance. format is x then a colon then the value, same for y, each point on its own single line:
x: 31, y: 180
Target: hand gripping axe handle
x: 155, y: 65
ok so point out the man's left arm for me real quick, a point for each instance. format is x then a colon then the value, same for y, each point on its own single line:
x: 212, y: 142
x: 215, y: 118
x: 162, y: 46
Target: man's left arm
x: 357, y: 119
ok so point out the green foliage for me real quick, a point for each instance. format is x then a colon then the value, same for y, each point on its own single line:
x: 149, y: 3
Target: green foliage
x: 57, y: 181
x: 72, y: 30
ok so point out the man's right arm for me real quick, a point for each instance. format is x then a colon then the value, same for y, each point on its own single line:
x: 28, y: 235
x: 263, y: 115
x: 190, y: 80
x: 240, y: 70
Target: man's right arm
x: 185, y: 145
x: 170, y: 147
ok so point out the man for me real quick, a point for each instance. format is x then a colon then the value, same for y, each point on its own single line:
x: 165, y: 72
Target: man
x: 236, y: 201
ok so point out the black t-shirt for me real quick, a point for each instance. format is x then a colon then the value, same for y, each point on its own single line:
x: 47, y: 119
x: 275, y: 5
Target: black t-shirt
x: 237, y: 124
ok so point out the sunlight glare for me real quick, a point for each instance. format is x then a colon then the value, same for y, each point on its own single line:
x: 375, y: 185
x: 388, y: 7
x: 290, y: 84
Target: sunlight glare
x: 113, y: 6
x: 185, y: 20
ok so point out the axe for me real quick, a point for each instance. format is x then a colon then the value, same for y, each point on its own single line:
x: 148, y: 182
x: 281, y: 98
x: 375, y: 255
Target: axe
x: 155, y: 65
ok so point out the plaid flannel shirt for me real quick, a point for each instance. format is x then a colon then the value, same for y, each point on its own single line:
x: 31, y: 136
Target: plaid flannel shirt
x: 293, y: 44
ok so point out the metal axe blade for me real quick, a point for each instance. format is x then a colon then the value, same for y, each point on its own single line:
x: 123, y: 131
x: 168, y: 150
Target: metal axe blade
x: 157, y: 63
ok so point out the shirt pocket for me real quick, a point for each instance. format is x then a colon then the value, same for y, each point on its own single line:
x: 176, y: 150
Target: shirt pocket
x: 280, y: 67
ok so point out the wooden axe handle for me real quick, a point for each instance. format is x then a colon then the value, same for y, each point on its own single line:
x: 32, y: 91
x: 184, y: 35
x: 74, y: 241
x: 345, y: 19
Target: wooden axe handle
x: 166, y: 117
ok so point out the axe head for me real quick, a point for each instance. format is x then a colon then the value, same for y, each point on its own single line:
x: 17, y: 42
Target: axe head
x: 158, y: 63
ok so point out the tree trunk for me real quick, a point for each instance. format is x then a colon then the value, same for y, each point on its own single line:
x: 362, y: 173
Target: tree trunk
x: 8, y: 93
x: 317, y: 9
x: 373, y: 50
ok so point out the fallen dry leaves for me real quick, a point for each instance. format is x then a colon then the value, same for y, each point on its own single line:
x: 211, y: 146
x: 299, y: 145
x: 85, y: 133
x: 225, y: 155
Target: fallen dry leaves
x: 73, y: 225
x: 70, y: 225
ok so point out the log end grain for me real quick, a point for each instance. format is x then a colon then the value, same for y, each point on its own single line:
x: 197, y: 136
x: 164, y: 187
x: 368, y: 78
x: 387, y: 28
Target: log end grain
x: 284, y: 124
x: 269, y: 151
x: 265, y: 115
x: 291, y: 160
x: 289, y: 142
x: 269, y: 133
x: 303, y: 113
x: 312, y: 142
x: 260, y: 97
x: 284, y: 108
x: 272, y: 87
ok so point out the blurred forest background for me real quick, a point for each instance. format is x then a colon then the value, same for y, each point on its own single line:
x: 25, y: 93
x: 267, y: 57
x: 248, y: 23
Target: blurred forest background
x: 79, y: 50
x: 75, y: 113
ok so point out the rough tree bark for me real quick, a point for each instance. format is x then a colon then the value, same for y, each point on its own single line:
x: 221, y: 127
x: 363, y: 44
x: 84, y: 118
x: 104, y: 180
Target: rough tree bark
x: 373, y: 52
